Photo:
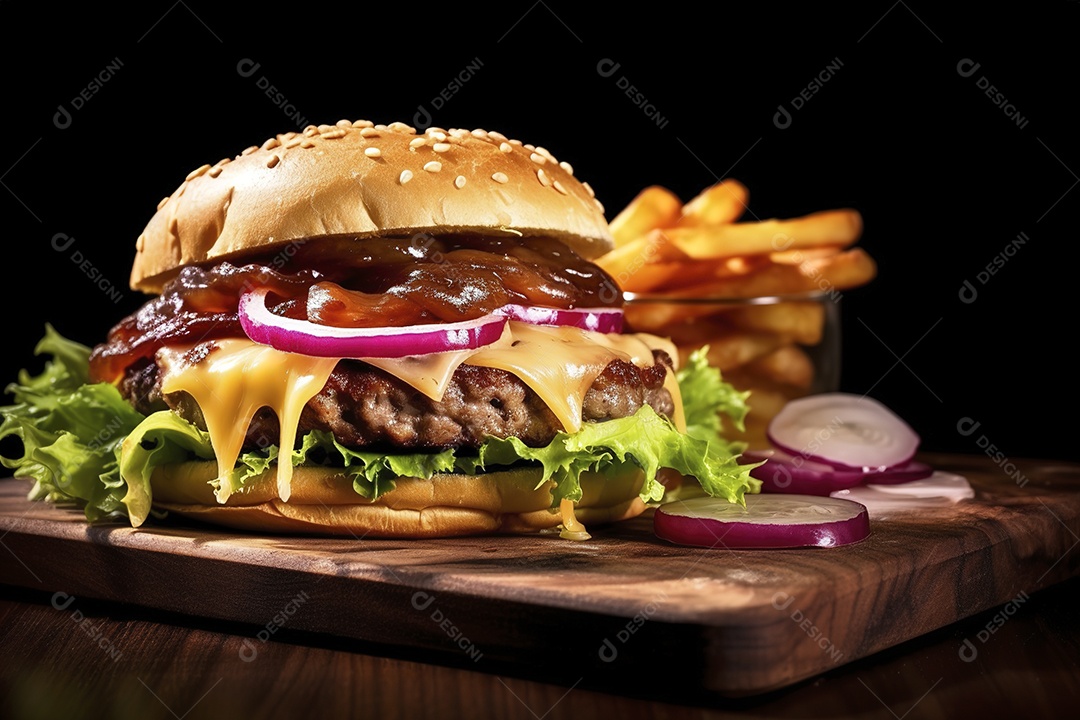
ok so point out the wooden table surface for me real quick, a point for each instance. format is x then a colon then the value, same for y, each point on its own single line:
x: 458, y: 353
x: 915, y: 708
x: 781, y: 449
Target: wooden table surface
x: 68, y: 656
x: 93, y: 660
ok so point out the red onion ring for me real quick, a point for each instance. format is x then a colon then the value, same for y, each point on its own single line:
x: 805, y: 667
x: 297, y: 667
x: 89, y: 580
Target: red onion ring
x: 767, y: 521
x: 603, y: 319
x: 846, y: 431
x: 308, y: 338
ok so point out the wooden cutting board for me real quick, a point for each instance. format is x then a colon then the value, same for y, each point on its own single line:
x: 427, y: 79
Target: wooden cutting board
x: 622, y: 610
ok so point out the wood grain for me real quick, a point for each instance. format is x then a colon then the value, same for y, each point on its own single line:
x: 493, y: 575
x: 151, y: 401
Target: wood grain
x: 168, y: 666
x: 741, y: 621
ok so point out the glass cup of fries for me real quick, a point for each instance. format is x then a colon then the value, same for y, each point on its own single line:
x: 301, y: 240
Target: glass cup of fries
x: 779, y: 347
x: 763, y: 294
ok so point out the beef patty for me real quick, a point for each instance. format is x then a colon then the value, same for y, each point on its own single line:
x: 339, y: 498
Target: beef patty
x: 365, y: 407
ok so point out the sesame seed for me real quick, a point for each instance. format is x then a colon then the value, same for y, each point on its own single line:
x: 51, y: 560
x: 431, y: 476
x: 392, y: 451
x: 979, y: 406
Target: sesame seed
x: 500, y: 177
x: 433, y: 166
x: 517, y: 142
x: 369, y: 132
x: 271, y: 144
x: 506, y: 147
x: 559, y: 186
x: 480, y: 133
x: 334, y: 134
x: 459, y: 133
x: 214, y: 171
x: 459, y: 182
x: 496, y: 135
x: 311, y: 131
x: 544, y: 151
x: 405, y: 176
x: 292, y: 143
x: 538, y: 158
x: 373, y: 152
x: 382, y: 128
x: 162, y: 203
x: 344, y: 123
x: 529, y: 146
x: 324, y: 128
x: 308, y: 143
x: 196, y: 172
x: 362, y: 123
x: 400, y: 127
x: 598, y: 205
x: 588, y: 189
x: 542, y: 177
x: 441, y: 147
x: 567, y: 167
x: 273, y: 161
x: 141, y: 242
x: 249, y: 150
x: 417, y: 142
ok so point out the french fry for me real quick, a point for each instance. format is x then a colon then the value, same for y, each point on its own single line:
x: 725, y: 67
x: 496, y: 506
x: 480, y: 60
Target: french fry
x: 788, y: 365
x: 717, y: 205
x: 681, y: 273
x: 624, y: 261
x: 691, y: 265
x: 654, y: 207
x: 795, y: 257
x: 697, y: 332
x: 842, y: 271
x: 649, y: 277
x: 734, y: 350
x: 800, y: 322
x: 838, y: 228
x: 659, y: 317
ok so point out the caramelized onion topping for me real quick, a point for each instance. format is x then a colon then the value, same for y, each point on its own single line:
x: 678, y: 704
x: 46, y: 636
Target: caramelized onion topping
x: 385, y: 282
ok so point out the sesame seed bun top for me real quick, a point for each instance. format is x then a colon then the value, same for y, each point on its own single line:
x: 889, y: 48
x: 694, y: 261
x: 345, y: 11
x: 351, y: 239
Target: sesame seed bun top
x: 366, y: 180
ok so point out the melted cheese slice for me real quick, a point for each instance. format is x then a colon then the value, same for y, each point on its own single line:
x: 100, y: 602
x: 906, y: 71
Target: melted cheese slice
x: 239, y: 377
x: 233, y: 382
x: 431, y: 374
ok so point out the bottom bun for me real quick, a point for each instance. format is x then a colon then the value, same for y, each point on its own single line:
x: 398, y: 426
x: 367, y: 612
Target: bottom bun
x: 323, y: 502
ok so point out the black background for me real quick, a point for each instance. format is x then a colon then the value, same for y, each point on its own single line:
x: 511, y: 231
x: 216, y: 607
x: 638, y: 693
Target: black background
x: 944, y: 179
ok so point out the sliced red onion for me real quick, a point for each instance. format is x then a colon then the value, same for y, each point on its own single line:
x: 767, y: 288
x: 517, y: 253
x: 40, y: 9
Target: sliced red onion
x: 767, y: 521
x: 845, y: 431
x: 940, y: 489
x: 784, y: 473
x: 906, y: 473
x: 308, y: 338
x: 603, y: 319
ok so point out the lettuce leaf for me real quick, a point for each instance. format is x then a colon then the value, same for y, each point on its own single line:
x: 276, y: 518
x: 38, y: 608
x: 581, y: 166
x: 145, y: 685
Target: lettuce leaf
x: 83, y: 443
x: 70, y: 430
x: 706, y: 396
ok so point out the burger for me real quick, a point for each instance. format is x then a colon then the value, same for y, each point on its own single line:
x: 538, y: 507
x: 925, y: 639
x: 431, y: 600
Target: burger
x: 362, y: 329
